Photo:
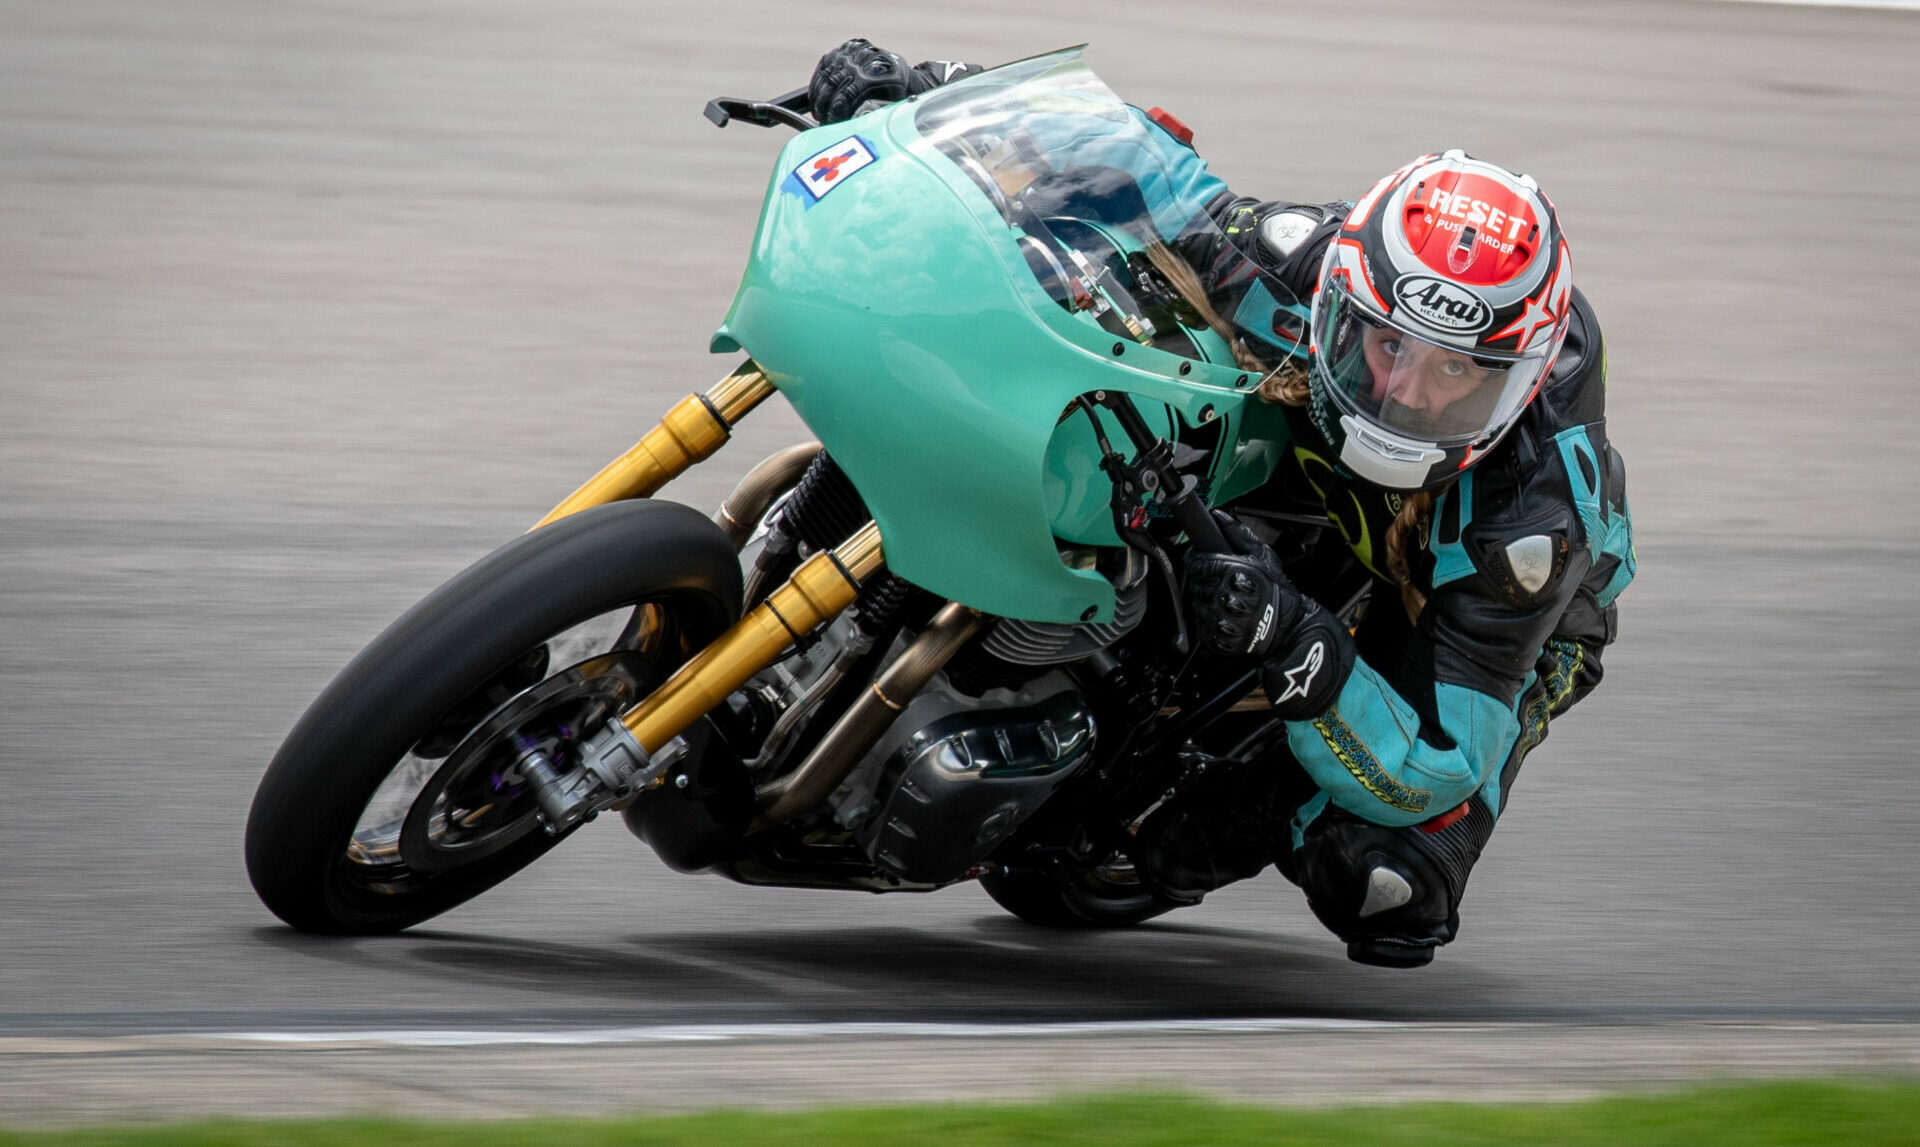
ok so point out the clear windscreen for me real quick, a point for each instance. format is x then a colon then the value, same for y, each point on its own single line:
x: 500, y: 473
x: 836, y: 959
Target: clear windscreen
x: 1413, y: 387
x: 1109, y: 214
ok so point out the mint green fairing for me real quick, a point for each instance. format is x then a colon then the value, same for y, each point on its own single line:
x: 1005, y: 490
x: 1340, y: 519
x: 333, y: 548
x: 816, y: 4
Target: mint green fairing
x: 899, y: 315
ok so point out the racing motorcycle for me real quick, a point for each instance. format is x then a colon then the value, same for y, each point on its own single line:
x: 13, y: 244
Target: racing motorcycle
x: 943, y: 642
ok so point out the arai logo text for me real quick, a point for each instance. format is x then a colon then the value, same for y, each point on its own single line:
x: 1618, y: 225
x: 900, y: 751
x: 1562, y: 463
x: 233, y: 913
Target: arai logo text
x: 1441, y: 305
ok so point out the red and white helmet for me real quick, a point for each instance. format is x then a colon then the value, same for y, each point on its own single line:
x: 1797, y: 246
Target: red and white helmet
x: 1443, y: 302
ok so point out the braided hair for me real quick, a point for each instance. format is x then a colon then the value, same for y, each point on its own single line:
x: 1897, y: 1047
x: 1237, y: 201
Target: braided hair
x: 1288, y: 385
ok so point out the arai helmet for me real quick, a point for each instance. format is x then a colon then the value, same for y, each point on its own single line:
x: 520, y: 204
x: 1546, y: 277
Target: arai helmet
x: 1443, y: 301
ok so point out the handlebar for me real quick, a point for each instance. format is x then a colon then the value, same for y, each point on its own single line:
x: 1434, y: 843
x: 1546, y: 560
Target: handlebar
x: 1182, y: 499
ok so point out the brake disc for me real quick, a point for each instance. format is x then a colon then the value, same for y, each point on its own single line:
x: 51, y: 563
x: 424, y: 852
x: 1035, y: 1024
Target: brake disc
x: 477, y: 803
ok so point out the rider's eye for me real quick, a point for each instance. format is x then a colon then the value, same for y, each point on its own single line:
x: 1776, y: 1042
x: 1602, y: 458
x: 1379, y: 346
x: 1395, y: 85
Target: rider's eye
x: 1391, y: 346
x: 1464, y: 368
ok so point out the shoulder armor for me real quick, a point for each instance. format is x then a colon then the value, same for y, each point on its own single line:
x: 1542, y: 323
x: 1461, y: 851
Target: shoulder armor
x: 1283, y: 232
x: 1514, y: 523
x: 1524, y: 562
x: 1286, y: 239
x: 1543, y: 497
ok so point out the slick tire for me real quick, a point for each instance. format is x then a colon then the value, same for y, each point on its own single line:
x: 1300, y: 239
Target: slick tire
x: 427, y: 669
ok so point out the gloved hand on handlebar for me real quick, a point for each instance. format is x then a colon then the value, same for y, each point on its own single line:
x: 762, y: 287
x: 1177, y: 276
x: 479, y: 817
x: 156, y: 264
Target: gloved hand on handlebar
x: 858, y: 73
x: 1244, y: 605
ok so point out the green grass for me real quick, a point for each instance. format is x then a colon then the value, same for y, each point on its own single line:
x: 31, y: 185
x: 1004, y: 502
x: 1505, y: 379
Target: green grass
x: 1763, y: 1115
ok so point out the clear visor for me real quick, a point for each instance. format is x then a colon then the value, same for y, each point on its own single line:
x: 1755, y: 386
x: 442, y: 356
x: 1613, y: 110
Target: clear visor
x: 1411, y: 386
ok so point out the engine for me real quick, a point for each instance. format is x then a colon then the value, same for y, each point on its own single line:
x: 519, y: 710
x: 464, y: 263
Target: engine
x: 1040, y: 643
x: 957, y: 774
x: 1014, y: 652
x: 972, y: 755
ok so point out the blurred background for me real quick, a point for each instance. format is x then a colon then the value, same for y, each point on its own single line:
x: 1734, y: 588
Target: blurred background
x: 305, y: 306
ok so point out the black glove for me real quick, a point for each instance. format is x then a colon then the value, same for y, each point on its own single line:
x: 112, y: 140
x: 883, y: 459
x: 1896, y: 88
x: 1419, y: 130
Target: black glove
x: 1243, y: 605
x: 1305, y: 674
x: 852, y: 74
x: 1243, y: 601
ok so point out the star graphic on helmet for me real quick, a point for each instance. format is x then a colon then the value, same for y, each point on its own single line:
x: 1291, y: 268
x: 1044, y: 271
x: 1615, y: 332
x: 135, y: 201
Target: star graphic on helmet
x: 1532, y: 319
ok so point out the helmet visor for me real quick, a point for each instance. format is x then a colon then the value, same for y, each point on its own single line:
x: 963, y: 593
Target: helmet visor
x: 1412, y: 386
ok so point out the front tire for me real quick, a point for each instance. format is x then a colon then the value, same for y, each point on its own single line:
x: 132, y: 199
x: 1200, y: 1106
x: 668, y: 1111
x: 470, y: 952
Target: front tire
x: 650, y: 581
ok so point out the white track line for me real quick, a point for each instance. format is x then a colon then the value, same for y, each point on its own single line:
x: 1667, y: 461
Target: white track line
x: 714, y: 1033
x: 1908, y: 5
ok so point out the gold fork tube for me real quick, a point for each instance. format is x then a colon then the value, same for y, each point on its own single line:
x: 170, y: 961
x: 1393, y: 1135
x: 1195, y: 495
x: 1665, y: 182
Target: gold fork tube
x: 825, y: 584
x: 697, y: 426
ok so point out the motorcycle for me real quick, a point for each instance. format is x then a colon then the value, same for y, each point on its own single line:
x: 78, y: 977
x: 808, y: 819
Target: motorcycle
x: 943, y: 642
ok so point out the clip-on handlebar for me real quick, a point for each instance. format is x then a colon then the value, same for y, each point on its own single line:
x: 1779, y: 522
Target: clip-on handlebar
x: 791, y: 109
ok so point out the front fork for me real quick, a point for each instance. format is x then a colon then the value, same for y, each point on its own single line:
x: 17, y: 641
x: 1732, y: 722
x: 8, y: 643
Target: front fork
x: 691, y: 432
x: 617, y: 762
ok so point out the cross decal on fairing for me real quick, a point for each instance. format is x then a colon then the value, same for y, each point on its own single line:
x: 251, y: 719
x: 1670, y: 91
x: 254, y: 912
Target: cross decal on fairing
x: 826, y: 169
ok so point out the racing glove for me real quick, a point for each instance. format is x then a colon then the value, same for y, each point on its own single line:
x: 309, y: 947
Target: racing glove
x: 857, y: 75
x: 1244, y: 605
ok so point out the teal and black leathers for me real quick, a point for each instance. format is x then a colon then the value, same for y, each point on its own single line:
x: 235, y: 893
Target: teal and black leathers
x: 1524, y: 556
x: 1520, y: 566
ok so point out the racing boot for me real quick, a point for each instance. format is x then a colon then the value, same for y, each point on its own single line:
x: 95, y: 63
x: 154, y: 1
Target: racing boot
x: 1393, y: 894
x: 1222, y: 825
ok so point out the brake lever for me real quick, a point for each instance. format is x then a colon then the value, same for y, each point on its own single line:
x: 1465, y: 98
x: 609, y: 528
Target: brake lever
x: 1181, y: 498
x: 789, y: 109
x: 1133, y: 485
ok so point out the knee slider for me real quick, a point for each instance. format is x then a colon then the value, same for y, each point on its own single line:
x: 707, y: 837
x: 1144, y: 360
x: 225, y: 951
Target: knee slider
x: 1392, y: 893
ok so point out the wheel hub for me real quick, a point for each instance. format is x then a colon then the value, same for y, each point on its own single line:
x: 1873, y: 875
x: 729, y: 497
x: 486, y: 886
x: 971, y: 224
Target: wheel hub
x: 480, y: 799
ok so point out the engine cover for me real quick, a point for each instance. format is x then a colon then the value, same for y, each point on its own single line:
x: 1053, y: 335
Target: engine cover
x: 953, y: 790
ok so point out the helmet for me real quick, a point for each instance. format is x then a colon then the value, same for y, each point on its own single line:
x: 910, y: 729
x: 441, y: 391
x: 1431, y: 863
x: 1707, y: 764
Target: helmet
x: 1442, y: 303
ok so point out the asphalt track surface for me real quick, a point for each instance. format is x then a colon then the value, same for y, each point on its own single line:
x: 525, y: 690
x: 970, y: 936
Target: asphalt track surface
x: 303, y: 307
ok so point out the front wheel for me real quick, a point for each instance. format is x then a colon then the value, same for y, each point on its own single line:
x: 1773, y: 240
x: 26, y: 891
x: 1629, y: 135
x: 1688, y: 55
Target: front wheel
x: 395, y: 797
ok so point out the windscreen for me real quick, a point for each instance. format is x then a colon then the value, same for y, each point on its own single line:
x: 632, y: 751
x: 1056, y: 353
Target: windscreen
x: 1108, y: 212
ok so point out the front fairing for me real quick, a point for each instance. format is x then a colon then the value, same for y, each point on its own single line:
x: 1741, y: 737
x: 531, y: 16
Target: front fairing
x: 895, y: 294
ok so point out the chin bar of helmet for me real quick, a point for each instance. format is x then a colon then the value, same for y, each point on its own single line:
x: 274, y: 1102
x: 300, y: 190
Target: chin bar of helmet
x: 691, y: 432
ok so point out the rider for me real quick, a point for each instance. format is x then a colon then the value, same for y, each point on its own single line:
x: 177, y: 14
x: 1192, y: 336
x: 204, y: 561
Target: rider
x: 1451, y: 423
